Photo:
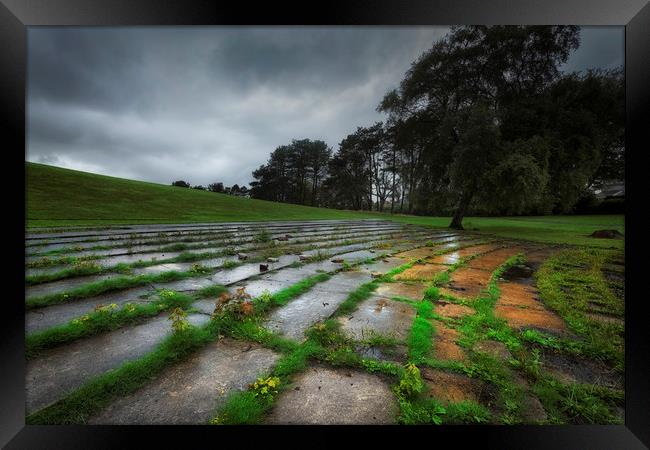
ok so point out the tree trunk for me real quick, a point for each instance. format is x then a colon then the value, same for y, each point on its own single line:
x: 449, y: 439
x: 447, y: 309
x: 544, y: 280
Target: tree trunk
x: 457, y: 219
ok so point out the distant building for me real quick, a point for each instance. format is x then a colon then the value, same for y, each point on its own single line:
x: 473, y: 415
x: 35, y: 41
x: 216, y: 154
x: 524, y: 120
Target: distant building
x: 610, y: 189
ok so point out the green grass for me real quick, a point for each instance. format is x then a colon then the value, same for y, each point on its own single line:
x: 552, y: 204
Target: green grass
x: 63, y: 197
x: 572, y: 230
x: 567, y: 282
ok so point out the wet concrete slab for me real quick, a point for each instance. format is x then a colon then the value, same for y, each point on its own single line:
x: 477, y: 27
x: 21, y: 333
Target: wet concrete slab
x: 62, y: 369
x: 519, y: 305
x: 445, y: 346
x: 191, y: 391
x: 317, y: 304
x: 457, y: 255
x: 64, y: 285
x: 421, y: 272
x: 42, y: 318
x: 335, y: 397
x: 382, y: 265
x: 185, y: 231
x: 379, y: 315
x: 412, y: 291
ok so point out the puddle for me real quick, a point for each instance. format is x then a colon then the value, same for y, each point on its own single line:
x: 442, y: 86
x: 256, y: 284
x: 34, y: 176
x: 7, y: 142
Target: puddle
x: 335, y: 396
x: 189, y: 392
x: 456, y: 256
x: 317, y: 304
x: 397, y: 354
x: 379, y: 315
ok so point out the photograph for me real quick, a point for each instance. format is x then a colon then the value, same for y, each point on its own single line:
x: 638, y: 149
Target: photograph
x: 325, y: 225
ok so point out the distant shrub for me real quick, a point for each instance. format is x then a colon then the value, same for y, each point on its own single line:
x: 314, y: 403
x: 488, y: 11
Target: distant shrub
x: 181, y: 183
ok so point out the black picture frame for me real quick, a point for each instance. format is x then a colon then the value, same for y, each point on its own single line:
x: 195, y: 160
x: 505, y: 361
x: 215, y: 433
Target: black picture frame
x: 17, y: 15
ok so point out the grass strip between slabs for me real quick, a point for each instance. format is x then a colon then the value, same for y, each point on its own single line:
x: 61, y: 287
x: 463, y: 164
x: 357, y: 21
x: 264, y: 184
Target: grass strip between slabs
x: 416, y: 408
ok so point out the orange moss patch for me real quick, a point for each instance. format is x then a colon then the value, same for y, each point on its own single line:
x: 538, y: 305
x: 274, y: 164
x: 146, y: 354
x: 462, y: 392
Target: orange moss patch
x: 467, y: 283
x: 526, y: 318
x: 519, y: 306
x: 494, y: 259
x: 444, y: 344
x: 413, y: 291
x: 421, y: 272
x: 450, y: 387
x: 453, y: 311
x: 518, y: 294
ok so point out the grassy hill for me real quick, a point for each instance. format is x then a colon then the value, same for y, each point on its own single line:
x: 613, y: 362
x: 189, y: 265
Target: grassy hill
x: 63, y: 197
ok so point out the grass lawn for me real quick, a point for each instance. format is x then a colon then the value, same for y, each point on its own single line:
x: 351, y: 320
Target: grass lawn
x: 63, y: 197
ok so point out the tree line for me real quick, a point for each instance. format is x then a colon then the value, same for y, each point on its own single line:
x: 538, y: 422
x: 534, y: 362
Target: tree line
x: 483, y: 123
x: 218, y: 187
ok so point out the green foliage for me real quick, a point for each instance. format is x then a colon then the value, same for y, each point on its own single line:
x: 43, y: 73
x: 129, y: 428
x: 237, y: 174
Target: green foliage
x: 262, y: 236
x: 179, y: 321
x: 419, y: 340
x: 199, y: 269
x: 240, y: 408
x: 266, y: 388
x: 411, y: 382
x: 423, y: 413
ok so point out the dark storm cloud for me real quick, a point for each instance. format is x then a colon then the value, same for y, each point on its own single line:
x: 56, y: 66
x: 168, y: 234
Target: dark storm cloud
x: 601, y: 47
x: 210, y: 103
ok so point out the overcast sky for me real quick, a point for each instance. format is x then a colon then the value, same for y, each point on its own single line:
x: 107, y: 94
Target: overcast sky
x: 208, y: 104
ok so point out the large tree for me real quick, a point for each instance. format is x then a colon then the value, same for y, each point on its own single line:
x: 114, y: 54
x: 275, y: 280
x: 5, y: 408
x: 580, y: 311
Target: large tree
x: 465, y: 85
